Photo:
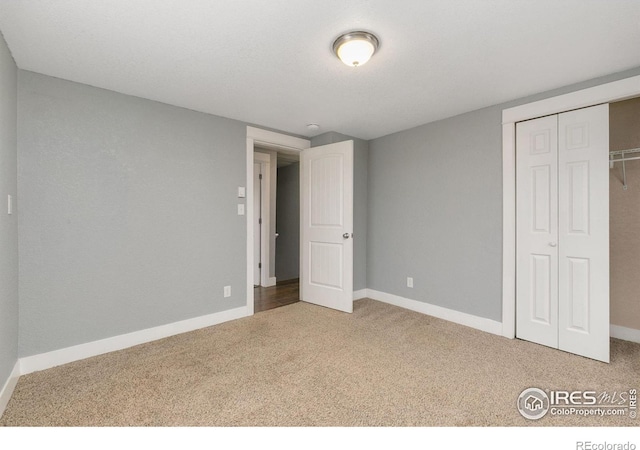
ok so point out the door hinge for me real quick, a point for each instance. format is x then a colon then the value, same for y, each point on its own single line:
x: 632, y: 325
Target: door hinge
x: 259, y: 265
x: 260, y: 221
x: 260, y: 177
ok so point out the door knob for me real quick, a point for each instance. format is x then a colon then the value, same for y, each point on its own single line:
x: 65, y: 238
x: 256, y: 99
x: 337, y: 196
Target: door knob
x: 346, y: 235
x: 552, y: 244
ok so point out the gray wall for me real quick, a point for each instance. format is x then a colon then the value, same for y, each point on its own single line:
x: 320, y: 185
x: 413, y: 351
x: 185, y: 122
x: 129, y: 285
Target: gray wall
x: 8, y: 223
x: 360, y: 194
x: 128, y: 213
x: 435, y: 209
x: 288, y: 220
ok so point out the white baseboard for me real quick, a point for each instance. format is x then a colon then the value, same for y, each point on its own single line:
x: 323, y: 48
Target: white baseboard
x: 480, y: 323
x: 360, y: 294
x: 9, y: 386
x: 624, y: 333
x: 47, y: 360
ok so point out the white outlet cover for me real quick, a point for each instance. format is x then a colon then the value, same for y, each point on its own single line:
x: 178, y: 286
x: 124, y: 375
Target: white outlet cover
x: 242, y: 193
x: 409, y: 282
x: 227, y: 291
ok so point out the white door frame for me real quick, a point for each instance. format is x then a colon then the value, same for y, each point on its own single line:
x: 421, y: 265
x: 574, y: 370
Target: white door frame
x: 271, y: 141
x: 257, y: 233
x: 264, y: 160
x: 605, y: 93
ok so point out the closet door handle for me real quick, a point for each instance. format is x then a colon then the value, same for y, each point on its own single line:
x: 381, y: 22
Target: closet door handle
x: 552, y: 244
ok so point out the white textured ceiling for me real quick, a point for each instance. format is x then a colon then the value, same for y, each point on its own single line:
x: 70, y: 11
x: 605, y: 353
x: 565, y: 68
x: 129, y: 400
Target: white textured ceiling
x: 270, y: 63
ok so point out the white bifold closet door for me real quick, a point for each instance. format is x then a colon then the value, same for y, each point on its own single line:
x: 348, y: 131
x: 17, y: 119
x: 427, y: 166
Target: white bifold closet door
x: 562, y: 287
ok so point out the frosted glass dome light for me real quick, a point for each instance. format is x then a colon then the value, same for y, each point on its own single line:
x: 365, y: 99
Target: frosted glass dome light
x: 356, y: 47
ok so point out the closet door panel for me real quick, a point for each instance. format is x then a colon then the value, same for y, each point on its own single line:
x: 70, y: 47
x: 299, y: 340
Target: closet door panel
x: 537, y: 231
x: 583, y: 180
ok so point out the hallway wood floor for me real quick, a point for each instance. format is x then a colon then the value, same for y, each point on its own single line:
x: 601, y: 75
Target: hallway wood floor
x: 282, y: 294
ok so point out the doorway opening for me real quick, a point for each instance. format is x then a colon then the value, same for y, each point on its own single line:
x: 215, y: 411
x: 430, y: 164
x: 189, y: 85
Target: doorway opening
x: 610, y: 93
x: 578, y: 188
x: 264, y: 141
x: 277, y: 228
x: 624, y: 216
x: 326, y: 219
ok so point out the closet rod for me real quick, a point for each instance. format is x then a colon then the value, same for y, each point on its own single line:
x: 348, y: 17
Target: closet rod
x: 624, y: 159
x: 622, y: 152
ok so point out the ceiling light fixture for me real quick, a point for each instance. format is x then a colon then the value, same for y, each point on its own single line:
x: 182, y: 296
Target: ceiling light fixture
x: 356, y: 47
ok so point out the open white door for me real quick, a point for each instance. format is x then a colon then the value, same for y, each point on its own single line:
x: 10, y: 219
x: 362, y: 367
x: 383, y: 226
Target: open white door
x: 583, y: 180
x: 326, y: 194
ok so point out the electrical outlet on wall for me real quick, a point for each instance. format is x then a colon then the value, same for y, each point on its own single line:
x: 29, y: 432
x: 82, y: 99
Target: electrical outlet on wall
x: 410, y: 282
x: 227, y: 291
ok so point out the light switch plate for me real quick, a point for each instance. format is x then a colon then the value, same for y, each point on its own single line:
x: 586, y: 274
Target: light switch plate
x: 410, y: 282
x: 242, y: 192
x: 227, y: 291
x: 241, y: 209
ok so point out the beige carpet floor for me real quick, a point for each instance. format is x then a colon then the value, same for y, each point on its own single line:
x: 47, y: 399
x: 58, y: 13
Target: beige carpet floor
x: 303, y: 365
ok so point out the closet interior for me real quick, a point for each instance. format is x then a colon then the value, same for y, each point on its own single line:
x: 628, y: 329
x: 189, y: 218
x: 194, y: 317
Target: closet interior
x: 624, y: 213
